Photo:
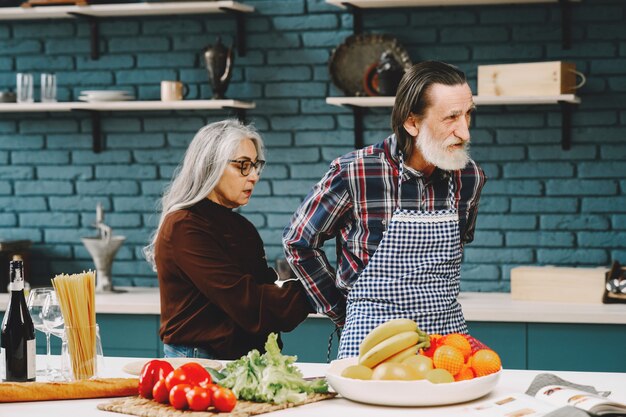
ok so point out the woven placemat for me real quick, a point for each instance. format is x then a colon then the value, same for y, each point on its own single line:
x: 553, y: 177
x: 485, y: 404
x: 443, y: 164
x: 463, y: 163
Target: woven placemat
x: 143, y: 407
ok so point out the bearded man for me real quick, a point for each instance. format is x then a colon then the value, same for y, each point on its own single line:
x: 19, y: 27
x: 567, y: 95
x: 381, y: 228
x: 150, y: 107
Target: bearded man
x: 400, y: 211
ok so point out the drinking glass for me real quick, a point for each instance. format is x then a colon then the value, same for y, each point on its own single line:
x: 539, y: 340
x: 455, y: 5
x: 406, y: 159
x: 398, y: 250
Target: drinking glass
x: 48, y: 88
x: 25, y: 88
x: 36, y: 300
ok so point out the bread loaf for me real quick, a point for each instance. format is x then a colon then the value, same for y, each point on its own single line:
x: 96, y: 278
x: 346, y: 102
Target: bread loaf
x: 46, y: 391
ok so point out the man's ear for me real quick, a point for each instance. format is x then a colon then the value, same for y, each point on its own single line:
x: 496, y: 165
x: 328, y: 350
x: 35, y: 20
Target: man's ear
x: 411, y: 126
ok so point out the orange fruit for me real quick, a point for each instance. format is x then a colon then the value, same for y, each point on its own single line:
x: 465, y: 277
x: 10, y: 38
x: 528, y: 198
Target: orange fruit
x: 465, y: 374
x: 460, y: 342
x: 448, y: 358
x: 485, y: 362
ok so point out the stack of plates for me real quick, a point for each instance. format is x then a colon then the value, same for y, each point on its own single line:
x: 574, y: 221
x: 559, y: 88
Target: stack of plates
x: 105, y: 95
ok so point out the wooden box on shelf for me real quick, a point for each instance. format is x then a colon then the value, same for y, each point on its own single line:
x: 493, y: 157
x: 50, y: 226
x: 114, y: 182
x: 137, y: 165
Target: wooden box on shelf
x: 527, y: 79
x: 560, y: 284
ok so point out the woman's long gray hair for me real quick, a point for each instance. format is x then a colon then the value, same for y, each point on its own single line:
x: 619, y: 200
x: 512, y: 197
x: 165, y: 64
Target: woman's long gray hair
x: 204, y: 163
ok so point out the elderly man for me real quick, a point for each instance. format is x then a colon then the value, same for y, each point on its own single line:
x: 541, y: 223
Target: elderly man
x: 400, y: 210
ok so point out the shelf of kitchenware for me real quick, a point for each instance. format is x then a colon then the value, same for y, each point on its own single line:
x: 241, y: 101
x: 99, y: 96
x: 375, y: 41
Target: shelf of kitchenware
x: 92, y: 13
x: 96, y: 107
x: 355, y: 6
x: 566, y: 101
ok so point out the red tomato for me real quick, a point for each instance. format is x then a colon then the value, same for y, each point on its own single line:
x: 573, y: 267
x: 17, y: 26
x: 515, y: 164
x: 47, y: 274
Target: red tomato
x: 196, y: 374
x: 191, y: 373
x: 178, y: 396
x: 199, y: 399
x: 160, y: 393
x: 224, y: 400
x: 151, y: 373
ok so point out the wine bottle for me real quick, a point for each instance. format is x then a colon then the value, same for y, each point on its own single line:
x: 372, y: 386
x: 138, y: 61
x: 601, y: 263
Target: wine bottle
x: 18, y: 333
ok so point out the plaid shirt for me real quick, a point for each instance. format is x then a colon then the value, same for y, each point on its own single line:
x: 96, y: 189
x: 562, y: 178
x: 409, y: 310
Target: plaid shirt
x: 354, y: 203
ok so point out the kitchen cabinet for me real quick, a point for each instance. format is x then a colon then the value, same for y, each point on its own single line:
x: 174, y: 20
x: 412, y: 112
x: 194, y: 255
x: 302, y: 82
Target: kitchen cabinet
x: 93, y: 13
x: 357, y: 6
x: 527, y: 335
x: 565, y: 101
x: 96, y: 108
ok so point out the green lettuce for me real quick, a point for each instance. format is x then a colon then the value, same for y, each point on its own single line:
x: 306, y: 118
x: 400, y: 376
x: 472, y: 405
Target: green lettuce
x: 270, y: 377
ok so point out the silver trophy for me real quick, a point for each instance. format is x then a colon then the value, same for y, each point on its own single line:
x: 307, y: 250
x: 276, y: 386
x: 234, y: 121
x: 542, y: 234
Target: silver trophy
x: 102, y: 249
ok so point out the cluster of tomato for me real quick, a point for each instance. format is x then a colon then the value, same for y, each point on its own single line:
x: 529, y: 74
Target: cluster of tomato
x: 189, y: 386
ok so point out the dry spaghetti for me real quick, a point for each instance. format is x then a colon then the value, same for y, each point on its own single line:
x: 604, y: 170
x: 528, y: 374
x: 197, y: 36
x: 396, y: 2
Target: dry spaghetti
x: 76, y: 295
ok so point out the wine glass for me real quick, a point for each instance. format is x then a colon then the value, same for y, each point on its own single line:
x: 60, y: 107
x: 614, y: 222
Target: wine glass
x: 52, y: 317
x: 54, y: 324
x: 36, y: 300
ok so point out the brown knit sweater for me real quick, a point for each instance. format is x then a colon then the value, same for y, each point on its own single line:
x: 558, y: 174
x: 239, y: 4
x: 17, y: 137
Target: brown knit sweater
x: 217, y: 291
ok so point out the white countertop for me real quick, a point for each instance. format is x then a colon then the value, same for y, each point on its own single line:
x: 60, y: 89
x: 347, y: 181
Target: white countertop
x: 492, y: 307
x: 511, y: 381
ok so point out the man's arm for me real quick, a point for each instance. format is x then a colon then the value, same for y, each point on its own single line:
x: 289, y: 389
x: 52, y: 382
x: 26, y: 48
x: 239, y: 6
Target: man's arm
x: 320, y: 217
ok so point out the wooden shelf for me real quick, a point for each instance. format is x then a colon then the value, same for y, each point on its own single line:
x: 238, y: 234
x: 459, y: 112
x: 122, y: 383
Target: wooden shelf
x: 96, y: 108
x: 356, y: 7
x: 93, y: 13
x: 478, y: 100
x: 123, y: 9
x: 386, y: 4
x: 565, y: 101
x: 126, y: 106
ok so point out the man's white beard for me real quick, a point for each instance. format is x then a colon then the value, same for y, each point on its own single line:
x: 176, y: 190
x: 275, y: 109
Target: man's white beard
x: 439, y: 154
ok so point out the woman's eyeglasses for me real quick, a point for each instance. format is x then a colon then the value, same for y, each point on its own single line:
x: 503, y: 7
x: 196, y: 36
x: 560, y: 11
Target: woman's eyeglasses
x: 245, y: 166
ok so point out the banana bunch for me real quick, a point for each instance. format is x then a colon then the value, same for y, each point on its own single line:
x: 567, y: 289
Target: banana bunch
x: 392, y: 341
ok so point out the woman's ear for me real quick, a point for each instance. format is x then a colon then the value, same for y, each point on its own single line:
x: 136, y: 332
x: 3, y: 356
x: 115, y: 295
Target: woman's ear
x: 411, y: 126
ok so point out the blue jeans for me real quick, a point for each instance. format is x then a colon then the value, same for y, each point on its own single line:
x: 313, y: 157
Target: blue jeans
x: 183, y: 351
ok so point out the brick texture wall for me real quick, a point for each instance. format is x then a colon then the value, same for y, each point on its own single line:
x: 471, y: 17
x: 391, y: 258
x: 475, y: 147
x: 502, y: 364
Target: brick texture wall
x: 542, y: 205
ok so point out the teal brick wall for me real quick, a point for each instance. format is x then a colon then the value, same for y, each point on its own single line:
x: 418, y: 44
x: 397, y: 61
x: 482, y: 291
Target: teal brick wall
x: 542, y: 205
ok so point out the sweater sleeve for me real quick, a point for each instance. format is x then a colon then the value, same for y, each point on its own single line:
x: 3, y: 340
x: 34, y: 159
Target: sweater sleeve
x: 257, y: 308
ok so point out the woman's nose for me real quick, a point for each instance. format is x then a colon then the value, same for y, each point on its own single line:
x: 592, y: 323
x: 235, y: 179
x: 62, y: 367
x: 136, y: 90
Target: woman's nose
x: 253, y: 176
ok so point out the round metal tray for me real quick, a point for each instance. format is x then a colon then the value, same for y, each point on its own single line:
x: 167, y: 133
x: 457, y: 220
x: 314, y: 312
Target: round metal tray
x: 350, y: 61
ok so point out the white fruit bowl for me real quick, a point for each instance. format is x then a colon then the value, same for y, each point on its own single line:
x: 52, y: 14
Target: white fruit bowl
x: 406, y: 393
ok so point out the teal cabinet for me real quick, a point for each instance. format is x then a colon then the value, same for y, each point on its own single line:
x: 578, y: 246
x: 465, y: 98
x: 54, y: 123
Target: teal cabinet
x: 543, y: 346
x: 577, y: 347
x: 508, y: 339
x: 309, y: 341
x: 130, y: 335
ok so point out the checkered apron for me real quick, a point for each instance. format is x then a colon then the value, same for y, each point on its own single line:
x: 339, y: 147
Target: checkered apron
x: 414, y: 273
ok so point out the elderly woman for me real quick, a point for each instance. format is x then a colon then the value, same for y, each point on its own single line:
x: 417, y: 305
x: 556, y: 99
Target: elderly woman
x: 218, y: 297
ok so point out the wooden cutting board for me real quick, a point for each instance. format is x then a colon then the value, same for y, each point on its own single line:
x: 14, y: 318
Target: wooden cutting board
x: 143, y: 407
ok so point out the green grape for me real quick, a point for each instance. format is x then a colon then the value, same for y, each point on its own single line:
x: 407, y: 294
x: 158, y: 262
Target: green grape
x: 439, y: 376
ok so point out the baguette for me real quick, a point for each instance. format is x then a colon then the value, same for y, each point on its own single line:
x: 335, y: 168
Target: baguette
x: 46, y: 391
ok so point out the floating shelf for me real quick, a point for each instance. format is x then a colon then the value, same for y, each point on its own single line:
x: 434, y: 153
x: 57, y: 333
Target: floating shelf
x: 356, y: 6
x: 386, y: 4
x: 95, y: 108
x: 566, y: 101
x: 92, y: 13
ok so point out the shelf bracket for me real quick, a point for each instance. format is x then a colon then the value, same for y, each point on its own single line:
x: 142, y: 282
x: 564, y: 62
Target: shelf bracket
x: 357, y: 113
x: 566, y: 124
x: 240, y: 114
x: 96, y: 129
x: 94, y: 32
x: 357, y: 17
x: 240, y: 19
x: 566, y: 23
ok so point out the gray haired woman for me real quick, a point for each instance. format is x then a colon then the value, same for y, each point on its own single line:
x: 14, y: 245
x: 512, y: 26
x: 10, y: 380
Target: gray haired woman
x: 218, y: 297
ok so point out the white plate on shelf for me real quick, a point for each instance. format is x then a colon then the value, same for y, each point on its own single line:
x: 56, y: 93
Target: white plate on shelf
x: 104, y: 93
x: 134, y: 368
x: 108, y: 98
x: 406, y: 393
